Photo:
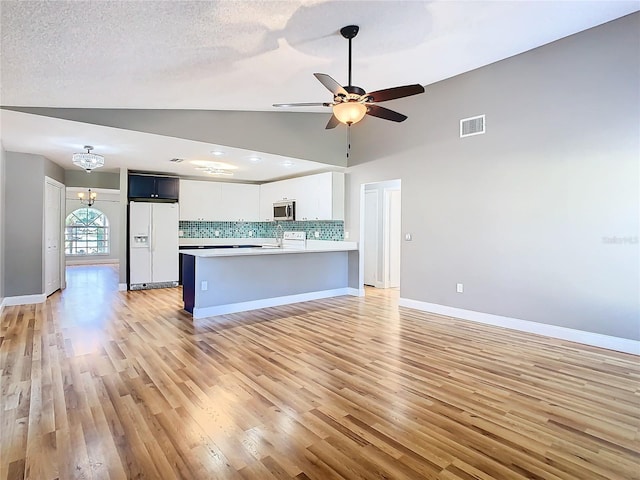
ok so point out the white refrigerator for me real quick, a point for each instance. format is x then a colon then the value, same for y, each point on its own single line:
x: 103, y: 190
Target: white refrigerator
x: 153, y: 245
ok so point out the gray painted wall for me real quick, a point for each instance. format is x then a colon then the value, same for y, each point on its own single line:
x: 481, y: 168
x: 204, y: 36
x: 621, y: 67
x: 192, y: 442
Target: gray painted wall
x: 78, y: 178
x: 524, y: 215
x: 23, y: 225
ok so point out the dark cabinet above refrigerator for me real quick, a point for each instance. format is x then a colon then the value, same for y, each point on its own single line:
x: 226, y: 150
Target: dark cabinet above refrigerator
x: 153, y: 188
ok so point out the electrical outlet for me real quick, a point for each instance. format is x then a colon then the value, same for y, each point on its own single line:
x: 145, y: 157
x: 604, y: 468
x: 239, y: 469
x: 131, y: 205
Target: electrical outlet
x: 204, y: 285
x: 408, y: 237
x: 459, y: 287
x: 181, y: 233
x: 217, y: 233
x: 251, y: 233
x: 346, y: 235
x: 316, y: 234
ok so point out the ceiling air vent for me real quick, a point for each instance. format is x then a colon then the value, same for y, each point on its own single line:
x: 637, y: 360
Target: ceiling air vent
x: 472, y: 126
x: 177, y: 160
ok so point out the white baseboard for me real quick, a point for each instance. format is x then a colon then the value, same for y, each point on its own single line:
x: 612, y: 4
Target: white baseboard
x: 91, y: 261
x: 270, y: 302
x: 122, y: 287
x: 588, y: 338
x: 24, y: 299
x: 356, y: 292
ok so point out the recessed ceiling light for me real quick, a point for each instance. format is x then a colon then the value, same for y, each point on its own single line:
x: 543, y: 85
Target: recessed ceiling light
x: 217, y: 153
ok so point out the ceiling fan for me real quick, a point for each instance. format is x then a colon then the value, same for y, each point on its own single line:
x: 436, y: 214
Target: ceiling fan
x: 350, y: 103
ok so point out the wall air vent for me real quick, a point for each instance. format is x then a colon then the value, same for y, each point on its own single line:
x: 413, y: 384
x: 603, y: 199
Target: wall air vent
x: 472, y: 126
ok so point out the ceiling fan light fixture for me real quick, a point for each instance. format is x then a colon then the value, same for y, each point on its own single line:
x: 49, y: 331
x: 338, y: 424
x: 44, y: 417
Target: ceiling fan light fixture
x: 349, y: 112
x: 88, y: 160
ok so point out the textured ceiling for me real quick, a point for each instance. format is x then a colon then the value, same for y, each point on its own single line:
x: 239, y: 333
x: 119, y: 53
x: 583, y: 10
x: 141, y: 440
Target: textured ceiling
x: 246, y: 55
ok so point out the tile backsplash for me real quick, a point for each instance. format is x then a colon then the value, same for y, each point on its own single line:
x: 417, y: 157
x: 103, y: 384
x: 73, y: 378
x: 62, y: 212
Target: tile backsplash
x: 327, y: 230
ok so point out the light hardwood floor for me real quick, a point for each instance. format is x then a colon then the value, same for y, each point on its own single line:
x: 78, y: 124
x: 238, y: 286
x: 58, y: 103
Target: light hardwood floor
x: 103, y: 384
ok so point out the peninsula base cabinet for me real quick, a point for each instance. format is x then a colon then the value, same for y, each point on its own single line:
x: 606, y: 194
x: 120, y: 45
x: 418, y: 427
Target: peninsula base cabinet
x: 317, y: 197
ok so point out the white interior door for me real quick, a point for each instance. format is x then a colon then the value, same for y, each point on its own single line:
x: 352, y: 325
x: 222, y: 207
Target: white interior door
x: 53, y: 195
x: 394, y: 234
x: 371, y: 237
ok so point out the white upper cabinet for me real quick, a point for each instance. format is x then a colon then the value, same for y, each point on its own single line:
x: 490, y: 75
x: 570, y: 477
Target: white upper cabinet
x: 200, y: 200
x: 240, y: 202
x: 317, y: 197
x: 269, y: 193
x: 218, y: 202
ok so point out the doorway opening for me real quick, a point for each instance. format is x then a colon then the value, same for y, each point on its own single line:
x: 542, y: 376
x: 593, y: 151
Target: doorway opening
x: 380, y: 234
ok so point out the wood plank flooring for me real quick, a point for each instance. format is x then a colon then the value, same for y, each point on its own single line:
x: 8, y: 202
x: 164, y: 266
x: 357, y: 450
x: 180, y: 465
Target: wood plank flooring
x: 101, y: 384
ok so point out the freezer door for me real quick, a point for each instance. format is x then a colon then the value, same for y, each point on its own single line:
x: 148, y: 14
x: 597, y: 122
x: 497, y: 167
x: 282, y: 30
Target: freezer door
x: 164, y: 242
x: 139, y: 251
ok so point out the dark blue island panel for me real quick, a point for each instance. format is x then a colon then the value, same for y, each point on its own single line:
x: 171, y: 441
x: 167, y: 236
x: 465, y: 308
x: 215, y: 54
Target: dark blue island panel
x: 188, y: 282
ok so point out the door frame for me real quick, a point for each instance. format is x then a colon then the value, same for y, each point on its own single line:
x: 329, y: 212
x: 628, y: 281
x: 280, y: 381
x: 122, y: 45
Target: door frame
x: 393, y: 184
x: 386, y: 234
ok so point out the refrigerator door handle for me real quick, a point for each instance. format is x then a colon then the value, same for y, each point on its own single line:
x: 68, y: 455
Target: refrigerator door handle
x: 152, y: 247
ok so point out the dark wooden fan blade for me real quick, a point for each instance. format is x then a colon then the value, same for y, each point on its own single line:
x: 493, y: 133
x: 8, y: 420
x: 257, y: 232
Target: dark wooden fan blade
x: 317, y: 104
x: 381, y: 112
x: 333, y: 86
x: 395, y: 92
x: 333, y: 122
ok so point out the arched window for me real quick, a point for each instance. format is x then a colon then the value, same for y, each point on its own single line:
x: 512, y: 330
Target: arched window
x: 86, y: 232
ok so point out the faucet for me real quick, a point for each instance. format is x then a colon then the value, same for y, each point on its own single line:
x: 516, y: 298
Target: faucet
x: 279, y: 235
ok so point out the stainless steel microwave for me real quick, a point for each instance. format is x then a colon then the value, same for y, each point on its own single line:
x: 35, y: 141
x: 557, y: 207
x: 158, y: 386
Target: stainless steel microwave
x: 284, y: 210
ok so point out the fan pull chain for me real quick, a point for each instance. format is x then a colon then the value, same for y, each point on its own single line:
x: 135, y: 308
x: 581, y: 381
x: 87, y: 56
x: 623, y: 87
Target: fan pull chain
x: 348, y: 140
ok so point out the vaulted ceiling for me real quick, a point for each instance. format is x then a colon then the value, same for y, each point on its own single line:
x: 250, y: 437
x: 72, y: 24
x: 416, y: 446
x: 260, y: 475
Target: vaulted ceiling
x: 240, y: 56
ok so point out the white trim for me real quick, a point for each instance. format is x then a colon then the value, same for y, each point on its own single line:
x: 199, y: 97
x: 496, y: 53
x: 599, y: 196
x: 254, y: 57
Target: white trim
x: 1, y: 304
x: 122, y: 287
x: 270, y: 302
x: 24, y: 299
x: 588, y: 338
x: 356, y: 292
x: 92, y: 261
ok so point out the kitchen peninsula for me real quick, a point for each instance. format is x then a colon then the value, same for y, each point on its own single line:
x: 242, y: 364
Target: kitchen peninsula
x: 229, y: 280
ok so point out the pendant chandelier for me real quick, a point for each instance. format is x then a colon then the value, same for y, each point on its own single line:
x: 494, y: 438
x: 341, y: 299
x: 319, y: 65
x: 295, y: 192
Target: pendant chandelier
x: 88, y: 160
x: 88, y: 198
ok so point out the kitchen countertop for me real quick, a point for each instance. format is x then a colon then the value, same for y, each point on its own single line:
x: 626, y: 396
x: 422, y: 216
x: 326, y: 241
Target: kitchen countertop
x: 313, y: 246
